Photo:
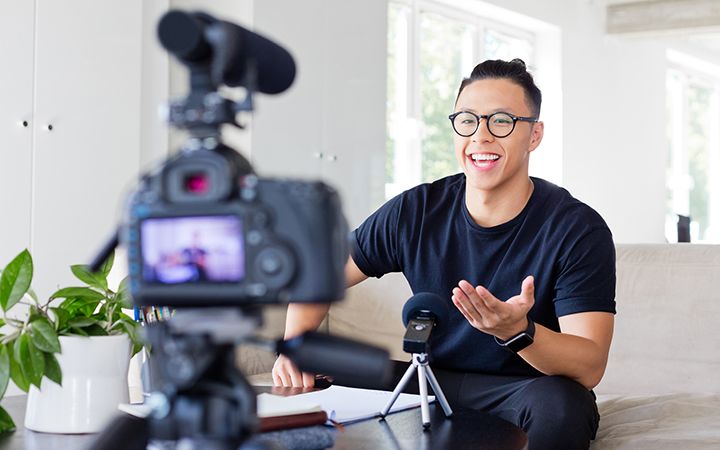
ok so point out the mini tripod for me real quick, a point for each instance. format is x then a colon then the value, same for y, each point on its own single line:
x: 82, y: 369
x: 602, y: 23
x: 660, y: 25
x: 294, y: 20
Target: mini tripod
x: 425, y: 373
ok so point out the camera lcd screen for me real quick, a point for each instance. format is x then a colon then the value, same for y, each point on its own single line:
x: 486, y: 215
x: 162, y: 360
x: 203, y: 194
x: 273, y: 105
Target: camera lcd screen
x: 197, y: 249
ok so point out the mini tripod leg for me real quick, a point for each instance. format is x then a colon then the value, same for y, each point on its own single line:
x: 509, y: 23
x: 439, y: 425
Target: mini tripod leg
x: 398, y: 389
x: 424, y: 407
x: 438, y: 392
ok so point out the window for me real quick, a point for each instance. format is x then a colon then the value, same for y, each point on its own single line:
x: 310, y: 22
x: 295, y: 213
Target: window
x: 693, y: 111
x: 431, y: 47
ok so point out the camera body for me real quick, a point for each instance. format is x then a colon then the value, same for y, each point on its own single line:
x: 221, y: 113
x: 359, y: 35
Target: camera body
x: 204, y: 230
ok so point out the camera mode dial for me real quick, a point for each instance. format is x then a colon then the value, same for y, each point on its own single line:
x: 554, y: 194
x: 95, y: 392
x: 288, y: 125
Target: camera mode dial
x: 274, y: 266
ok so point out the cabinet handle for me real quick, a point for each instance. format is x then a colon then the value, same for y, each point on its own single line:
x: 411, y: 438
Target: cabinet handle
x: 25, y: 123
x: 318, y: 155
x: 49, y: 127
x: 332, y: 158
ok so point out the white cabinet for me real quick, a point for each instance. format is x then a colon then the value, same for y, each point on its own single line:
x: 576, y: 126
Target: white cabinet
x: 72, y: 70
x: 336, y: 107
x: 16, y: 125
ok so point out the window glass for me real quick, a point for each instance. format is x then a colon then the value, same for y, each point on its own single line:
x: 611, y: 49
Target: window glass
x: 445, y: 52
x: 430, y: 50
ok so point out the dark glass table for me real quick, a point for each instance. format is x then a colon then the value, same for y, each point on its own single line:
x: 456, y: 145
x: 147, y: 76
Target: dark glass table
x: 467, y: 429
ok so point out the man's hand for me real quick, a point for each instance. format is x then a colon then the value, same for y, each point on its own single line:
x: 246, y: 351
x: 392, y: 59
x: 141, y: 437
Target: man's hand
x: 490, y: 315
x: 285, y: 373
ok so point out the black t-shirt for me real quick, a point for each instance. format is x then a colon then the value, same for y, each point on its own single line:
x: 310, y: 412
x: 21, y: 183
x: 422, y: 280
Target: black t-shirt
x: 428, y: 234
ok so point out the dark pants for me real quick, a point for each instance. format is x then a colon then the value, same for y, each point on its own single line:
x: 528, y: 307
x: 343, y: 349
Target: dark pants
x: 555, y: 412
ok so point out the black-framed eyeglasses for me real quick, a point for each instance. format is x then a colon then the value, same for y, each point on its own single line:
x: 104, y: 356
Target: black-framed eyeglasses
x: 499, y: 124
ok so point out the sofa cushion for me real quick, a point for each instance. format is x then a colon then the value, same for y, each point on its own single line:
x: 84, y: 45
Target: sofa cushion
x: 666, y: 337
x: 656, y: 422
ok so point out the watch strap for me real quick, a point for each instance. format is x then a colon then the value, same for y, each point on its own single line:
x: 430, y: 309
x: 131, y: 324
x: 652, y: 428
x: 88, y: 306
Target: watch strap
x: 520, y: 340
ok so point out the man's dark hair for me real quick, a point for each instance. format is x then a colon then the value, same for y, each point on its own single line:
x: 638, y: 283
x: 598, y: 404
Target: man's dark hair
x: 514, y: 71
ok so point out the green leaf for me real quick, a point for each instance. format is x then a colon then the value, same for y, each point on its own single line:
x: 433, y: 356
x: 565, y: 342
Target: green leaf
x: 52, y: 369
x: 61, y: 318
x: 96, y: 330
x: 77, y: 331
x: 6, y: 423
x: 32, y: 360
x: 81, y: 322
x: 82, y: 292
x: 32, y: 295
x: 107, y: 265
x: 16, y: 373
x: 2, y: 324
x: 44, y: 337
x: 34, y: 313
x: 80, y: 306
x: 15, y: 280
x: 97, y: 280
x: 4, y: 370
x: 123, y: 294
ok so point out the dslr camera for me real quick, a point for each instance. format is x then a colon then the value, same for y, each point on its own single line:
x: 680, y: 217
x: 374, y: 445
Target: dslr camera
x: 206, y: 235
x: 204, y: 229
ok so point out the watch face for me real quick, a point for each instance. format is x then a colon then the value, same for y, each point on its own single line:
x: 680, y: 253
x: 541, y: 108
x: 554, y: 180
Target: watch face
x: 520, y: 342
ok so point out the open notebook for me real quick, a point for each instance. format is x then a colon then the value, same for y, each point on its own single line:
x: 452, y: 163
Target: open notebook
x: 342, y: 404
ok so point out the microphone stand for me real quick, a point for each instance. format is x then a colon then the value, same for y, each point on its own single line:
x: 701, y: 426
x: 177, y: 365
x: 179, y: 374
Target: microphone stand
x: 425, y: 373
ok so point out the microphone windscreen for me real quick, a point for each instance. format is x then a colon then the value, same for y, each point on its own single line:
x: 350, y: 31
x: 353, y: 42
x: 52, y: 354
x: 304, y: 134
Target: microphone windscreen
x: 185, y: 35
x: 426, y: 303
x: 348, y: 362
x: 275, y: 65
x: 182, y: 34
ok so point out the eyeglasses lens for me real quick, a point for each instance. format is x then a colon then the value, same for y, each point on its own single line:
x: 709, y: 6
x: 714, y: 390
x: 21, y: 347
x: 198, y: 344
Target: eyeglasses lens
x: 499, y: 124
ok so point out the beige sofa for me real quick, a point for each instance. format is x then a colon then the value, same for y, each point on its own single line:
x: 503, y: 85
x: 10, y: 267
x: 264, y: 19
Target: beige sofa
x: 662, y: 384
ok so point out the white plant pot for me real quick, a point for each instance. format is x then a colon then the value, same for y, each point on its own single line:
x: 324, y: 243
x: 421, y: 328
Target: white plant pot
x: 94, y: 382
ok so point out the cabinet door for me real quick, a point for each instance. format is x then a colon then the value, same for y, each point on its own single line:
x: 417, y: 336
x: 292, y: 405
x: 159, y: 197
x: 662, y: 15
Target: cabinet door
x: 16, y: 100
x: 336, y: 107
x: 87, y: 83
x: 286, y: 135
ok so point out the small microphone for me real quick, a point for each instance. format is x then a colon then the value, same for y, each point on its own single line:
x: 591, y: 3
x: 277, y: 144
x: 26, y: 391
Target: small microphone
x: 421, y: 314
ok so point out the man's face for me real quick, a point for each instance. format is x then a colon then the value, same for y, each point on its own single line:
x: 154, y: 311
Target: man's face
x: 489, y: 162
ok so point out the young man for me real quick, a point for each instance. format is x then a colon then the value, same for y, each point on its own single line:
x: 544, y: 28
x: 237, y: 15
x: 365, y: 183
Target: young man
x: 529, y: 269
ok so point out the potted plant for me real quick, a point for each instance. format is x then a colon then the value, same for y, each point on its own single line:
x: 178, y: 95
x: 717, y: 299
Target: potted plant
x: 70, y: 352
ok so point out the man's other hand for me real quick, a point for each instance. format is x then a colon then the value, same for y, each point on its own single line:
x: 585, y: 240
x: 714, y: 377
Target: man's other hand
x: 491, y: 315
x: 285, y: 373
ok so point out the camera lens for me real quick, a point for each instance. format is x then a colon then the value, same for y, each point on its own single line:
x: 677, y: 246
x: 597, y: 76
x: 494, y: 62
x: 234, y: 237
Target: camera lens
x: 197, y: 183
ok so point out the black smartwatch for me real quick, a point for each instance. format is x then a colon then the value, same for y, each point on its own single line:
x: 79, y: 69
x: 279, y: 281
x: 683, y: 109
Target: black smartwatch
x: 520, y: 340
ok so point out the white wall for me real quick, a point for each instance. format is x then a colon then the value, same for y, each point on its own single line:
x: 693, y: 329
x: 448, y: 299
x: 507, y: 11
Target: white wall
x: 613, y: 163
x: 612, y: 102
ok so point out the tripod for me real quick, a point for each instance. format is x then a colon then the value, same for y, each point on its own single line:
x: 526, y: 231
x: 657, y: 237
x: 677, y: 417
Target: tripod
x: 425, y: 373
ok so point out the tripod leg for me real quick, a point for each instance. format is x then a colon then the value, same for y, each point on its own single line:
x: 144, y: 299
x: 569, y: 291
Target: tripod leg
x: 438, y: 392
x: 398, y: 389
x: 424, y: 407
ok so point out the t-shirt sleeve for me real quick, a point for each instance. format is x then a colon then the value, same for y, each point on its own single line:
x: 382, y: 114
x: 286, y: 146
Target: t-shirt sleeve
x: 586, y: 281
x: 374, y: 244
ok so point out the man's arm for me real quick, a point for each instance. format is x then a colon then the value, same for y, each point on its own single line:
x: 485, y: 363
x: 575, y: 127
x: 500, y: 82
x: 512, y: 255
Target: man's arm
x: 579, y: 351
x: 302, y: 317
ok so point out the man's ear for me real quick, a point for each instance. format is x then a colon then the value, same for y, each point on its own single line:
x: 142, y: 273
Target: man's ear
x: 536, y: 135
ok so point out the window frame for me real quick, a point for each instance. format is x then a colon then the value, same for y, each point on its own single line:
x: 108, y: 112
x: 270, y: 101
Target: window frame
x: 692, y: 72
x: 413, y: 120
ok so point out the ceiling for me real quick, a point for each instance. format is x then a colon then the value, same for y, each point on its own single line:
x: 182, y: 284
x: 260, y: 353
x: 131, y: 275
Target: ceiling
x: 704, y: 36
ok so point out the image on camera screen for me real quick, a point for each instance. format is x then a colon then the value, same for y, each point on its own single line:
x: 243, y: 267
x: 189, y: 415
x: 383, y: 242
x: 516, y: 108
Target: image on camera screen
x: 198, y: 249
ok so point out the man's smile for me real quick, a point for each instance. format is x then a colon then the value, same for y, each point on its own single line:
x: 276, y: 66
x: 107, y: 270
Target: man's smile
x: 484, y: 160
